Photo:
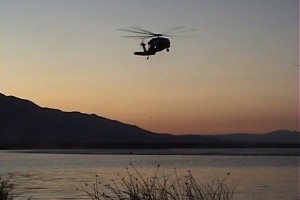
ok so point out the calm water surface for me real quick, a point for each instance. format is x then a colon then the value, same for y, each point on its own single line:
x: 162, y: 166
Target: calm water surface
x: 261, y: 174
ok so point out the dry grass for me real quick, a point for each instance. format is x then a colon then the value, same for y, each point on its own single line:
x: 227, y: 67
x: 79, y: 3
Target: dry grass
x: 6, y: 188
x: 159, y: 187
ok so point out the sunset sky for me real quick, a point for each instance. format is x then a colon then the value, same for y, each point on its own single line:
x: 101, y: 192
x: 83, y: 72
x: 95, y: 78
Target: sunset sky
x: 238, y: 74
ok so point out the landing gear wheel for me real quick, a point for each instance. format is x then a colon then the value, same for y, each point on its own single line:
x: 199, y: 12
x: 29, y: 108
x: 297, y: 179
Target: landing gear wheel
x: 168, y: 50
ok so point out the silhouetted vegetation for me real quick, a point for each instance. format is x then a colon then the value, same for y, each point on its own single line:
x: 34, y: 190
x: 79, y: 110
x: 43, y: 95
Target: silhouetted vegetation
x: 159, y: 187
x: 6, y: 188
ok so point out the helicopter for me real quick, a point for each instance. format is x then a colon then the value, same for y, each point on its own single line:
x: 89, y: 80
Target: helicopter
x: 158, y: 41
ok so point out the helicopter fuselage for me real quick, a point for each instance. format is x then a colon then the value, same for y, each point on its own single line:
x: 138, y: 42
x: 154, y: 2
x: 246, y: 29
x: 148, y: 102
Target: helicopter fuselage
x: 154, y: 45
x: 158, y: 44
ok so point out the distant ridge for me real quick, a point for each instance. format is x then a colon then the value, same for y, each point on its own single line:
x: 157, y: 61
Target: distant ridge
x: 279, y: 136
x: 23, y: 124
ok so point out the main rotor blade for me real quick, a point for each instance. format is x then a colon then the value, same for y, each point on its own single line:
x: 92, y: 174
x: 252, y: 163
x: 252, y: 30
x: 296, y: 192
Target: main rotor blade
x: 181, y: 30
x: 137, y: 36
x: 134, y: 31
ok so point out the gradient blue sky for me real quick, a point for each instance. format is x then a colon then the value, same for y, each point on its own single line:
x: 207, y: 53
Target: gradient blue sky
x: 240, y: 74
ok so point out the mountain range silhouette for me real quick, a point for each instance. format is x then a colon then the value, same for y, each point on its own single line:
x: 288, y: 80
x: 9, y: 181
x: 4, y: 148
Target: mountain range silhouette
x: 23, y: 124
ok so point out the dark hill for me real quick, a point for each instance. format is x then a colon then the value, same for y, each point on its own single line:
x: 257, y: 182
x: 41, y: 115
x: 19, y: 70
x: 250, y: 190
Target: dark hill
x: 24, y: 123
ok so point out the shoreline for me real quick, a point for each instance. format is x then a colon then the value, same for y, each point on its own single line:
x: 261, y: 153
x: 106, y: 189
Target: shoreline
x: 196, y: 152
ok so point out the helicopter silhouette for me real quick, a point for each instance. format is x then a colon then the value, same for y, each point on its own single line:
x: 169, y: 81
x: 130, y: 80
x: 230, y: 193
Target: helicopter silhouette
x: 158, y: 41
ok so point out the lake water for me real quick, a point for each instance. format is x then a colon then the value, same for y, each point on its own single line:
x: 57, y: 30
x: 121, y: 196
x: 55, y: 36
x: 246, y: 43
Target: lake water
x: 260, y: 173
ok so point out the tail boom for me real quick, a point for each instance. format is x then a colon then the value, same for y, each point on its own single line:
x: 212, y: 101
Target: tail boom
x: 145, y: 53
